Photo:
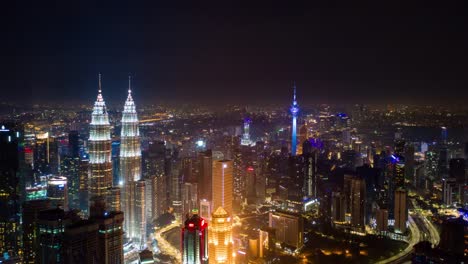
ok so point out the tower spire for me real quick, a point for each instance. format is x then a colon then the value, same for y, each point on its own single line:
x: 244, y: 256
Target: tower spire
x: 100, y: 88
x: 294, y: 96
x: 129, y: 84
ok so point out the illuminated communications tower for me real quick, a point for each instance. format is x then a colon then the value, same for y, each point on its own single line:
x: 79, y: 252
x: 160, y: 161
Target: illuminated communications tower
x: 294, y: 111
x: 130, y: 172
x: 245, y: 141
x: 100, y: 149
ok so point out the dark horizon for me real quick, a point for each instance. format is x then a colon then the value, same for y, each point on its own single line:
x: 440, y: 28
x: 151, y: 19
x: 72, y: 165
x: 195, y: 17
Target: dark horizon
x: 235, y: 52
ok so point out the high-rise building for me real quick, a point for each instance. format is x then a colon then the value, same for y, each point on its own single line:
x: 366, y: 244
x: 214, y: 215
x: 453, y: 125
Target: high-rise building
x: 10, y: 144
x: 449, y: 191
x: 190, y: 197
x: 83, y: 190
x: 80, y: 243
x: 46, y: 158
x: 205, y: 209
x: 99, y: 148
x: 457, y: 170
x: 245, y: 141
x: 401, y: 210
x: 70, y: 168
x: 220, y: 238
x: 222, y: 185
x: 140, y: 214
x: 195, y: 241
x: 74, y: 143
x: 113, y: 199
x: 358, y: 203
x: 381, y: 218
x: 310, y: 174
x: 452, y: 236
x: 154, y: 169
x: 31, y: 211
x: 205, y: 165
x: 250, y: 188
x: 51, y: 224
x: 338, y: 208
x: 396, y: 169
x: 294, y: 112
x: 130, y: 169
x: 110, y: 232
x: 289, y: 228
x: 57, y: 191
x: 115, y: 152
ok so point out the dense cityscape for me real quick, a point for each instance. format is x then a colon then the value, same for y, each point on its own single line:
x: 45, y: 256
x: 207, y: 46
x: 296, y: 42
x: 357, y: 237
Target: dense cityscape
x: 233, y: 133
x: 291, y: 184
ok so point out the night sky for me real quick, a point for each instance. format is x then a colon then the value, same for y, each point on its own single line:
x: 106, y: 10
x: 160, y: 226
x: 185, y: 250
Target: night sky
x: 234, y: 52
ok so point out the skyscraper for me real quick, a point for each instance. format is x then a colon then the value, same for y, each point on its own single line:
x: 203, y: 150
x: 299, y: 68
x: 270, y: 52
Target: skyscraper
x: 289, y: 228
x: 205, y: 165
x: 401, y: 210
x: 110, y: 233
x: 140, y: 213
x: 114, y: 200
x: 154, y: 169
x: 222, y: 185
x: 245, y: 141
x: 130, y: 166
x: 31, y: 211
x: 358, y: 202
x: 220, y: 238
x: 189, y: 196
x: 10, y: 141
x: 80, y: 243
x: 100, y: 148
x: 294, y: 111
x: 70, y: 168
x: 195, y: 241
x: 57, y: 192
x: 51, y: 224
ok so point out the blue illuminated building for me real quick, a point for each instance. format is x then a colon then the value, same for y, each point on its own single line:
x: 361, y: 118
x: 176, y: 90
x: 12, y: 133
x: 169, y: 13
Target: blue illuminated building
x: 294, y: 111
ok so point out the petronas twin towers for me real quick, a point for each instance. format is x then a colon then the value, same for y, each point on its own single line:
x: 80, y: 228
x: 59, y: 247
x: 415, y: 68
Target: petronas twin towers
x: 133, y: 189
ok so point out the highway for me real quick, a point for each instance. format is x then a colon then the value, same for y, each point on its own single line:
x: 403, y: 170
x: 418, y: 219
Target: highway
x: 421, y: 230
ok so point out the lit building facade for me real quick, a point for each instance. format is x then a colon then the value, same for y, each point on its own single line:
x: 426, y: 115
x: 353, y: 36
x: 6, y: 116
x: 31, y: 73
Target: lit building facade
x: 358, y: 203
x: 51, y: 225
x: 130, y: 168
x: 57, y: 191
x: 10, y: 141
x: 289, y: 228
x: 220, y: 237
x: 140, y: 213
x: 222, y: 185
x: 114, y: 199
x: 195, y: 241
x: 100, y: 165
x: 294, y: 109
x: 31, y: 211
x: 110, y: 232
x: 401, y: 210
x: 245, y: 141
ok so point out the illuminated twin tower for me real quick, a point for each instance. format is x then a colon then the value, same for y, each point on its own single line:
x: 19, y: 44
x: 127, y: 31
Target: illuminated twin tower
x: 133, y: 189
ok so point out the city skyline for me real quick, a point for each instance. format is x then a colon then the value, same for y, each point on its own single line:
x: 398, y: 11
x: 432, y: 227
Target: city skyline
x: 279, y: 133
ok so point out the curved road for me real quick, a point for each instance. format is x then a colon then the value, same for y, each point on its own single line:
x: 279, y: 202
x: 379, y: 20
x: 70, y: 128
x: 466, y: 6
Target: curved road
x: 421, y: 229
x: 164, y: 245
